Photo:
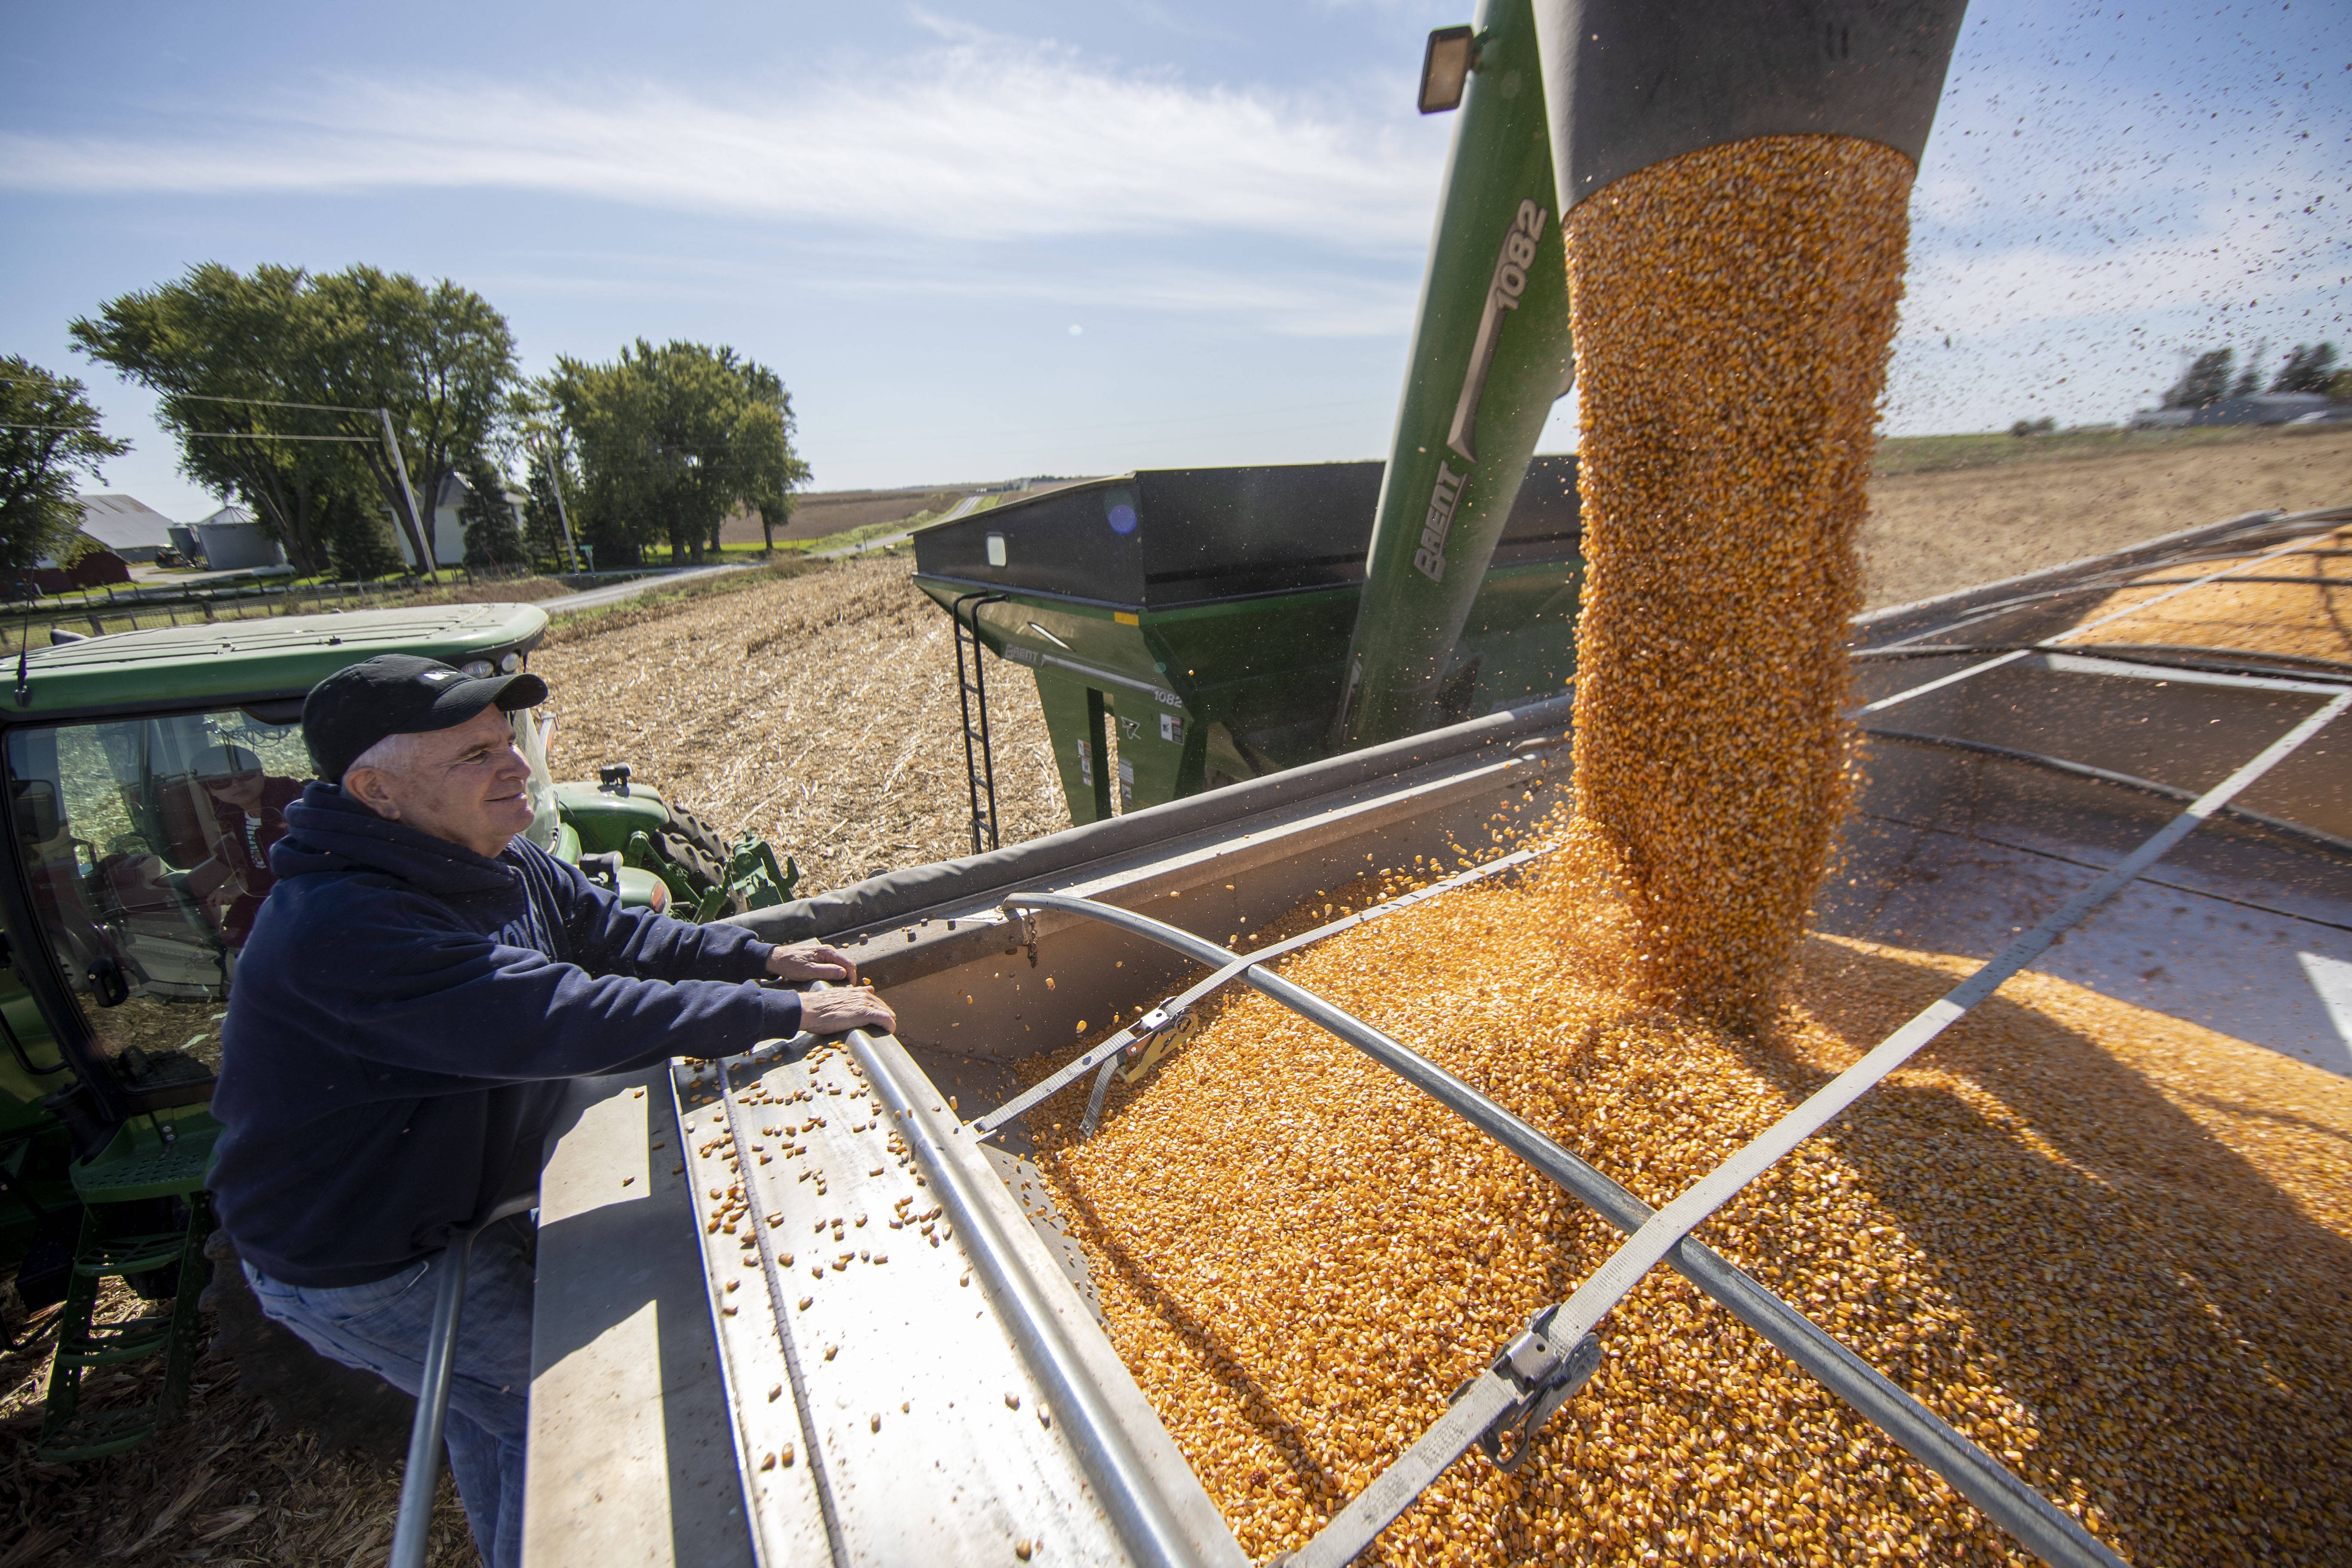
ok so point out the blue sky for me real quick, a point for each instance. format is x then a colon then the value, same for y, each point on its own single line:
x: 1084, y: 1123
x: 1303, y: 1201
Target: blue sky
x: 981, y: 241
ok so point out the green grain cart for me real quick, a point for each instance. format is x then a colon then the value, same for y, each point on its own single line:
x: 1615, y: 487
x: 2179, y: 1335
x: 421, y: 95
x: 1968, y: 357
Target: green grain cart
x: 1192, y: 628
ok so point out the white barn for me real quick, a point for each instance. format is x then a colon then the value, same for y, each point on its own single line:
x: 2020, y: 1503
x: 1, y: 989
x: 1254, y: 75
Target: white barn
x: 448, y: 542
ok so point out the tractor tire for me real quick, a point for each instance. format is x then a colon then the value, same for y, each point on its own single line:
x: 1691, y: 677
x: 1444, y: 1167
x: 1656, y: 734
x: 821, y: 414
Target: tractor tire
x: 700, y: 868
x: 684, y: 823
x: 346, y: 1407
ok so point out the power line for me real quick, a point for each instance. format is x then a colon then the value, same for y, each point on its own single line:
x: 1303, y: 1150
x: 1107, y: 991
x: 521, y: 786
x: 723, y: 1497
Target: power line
x: 267, y: 436
x: 271, y: 403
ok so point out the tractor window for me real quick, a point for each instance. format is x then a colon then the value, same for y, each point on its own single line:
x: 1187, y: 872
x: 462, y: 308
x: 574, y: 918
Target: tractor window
x: 147, y: 842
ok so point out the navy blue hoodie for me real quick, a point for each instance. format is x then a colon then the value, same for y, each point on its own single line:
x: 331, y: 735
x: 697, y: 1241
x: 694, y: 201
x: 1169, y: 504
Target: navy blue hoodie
x: 403, y: 1017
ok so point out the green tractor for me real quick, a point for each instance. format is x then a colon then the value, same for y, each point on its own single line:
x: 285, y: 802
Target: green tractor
x: 147, y: 772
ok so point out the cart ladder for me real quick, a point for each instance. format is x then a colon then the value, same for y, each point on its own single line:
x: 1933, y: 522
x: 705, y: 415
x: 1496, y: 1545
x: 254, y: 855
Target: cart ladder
x: 971, y: 695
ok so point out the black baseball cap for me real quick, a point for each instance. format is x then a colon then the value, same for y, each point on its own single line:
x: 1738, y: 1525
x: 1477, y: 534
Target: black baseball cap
x: 400, y: 694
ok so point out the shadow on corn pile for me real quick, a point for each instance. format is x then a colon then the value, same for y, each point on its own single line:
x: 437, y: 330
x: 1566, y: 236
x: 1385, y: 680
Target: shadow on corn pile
x: 2170, y: 1311
x: 2108, y: 1245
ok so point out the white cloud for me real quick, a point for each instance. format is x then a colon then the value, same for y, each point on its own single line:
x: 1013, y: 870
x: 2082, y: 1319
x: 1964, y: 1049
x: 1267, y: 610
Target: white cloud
x: 1285, y: 300
x: 978, y: 139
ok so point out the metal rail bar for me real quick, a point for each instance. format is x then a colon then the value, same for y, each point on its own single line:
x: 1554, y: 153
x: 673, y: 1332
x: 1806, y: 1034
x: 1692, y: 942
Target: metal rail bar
x: 422, y: 1479
x: 2239, y: 536
x: 1997, y: 661
x: 2268, y: 823
x: 1167, y: 1012
x: 2296, y: 581
x: 2039, y: 854
x: 2203, y: 659
x: 1147, y: 1526
x: 2054, y: 1536
x: 1352, y: 1529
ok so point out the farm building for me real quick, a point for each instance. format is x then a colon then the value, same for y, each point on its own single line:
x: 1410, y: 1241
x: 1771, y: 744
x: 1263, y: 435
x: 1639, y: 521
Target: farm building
x: 125, y: 525
x: 448, y: 526
x: 231, y: 540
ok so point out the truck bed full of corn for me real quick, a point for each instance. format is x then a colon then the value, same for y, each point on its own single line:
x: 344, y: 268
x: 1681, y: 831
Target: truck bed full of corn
x: 2299, y: 605
x: 2111, y: 1246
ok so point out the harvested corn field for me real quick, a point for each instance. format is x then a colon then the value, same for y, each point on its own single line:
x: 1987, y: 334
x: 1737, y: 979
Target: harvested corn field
x: 2111, y: 1246
x: 1932, y: 532
x: 1724, y: 477
x: 224, y: 1486
x: 818, y: 711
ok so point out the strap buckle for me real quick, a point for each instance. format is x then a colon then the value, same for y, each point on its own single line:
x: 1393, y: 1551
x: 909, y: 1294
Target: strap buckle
x: 1546, y: 1377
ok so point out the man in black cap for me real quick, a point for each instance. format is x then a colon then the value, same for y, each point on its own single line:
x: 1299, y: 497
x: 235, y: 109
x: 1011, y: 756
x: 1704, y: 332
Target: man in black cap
x: 418, y: 984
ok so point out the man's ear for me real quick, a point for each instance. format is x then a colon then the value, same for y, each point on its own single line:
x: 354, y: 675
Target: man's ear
x: 368, y: 786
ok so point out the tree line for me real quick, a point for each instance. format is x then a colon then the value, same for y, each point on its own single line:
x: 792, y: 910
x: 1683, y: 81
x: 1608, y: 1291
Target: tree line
x: 2213, y: 376
x: 336, y: 407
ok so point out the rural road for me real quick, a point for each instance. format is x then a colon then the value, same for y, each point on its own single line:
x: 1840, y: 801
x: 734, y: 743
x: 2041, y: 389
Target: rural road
x: 959, y: 510
x: 595, y: 598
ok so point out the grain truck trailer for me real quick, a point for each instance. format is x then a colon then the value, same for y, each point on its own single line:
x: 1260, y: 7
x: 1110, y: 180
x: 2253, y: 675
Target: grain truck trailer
x: 816, y: 1304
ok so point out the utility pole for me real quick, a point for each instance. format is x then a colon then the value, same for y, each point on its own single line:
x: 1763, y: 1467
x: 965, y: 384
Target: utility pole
x: 420, y: 530
x: 555, y: 478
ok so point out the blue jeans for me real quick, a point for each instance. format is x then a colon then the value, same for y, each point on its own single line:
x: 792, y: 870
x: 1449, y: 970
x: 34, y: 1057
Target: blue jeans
x: 382, y: 1327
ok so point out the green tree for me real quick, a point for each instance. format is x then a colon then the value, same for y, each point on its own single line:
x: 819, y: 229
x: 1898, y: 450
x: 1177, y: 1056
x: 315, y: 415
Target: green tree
x: 227, y: 351
x: 358, y: 530
x: 2205, y: 382
x: 48, y: 434
x: 776, y: 471
x: 2308, y: 368
x: 550, y: 484
x: 214, y: 335
x: 492, y: 542
x: 439, y: 358
x: 670, y: 440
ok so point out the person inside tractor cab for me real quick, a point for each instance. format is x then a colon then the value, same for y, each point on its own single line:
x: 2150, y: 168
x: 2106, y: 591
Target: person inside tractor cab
x: 219, y: 821
x: 418, y: 984
x: 248, y: 808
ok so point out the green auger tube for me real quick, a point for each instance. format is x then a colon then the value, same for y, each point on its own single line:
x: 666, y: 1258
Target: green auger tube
x: 1490, y: 357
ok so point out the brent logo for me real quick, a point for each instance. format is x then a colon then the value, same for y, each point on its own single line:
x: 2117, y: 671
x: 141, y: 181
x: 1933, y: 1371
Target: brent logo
x: 1504, y: 287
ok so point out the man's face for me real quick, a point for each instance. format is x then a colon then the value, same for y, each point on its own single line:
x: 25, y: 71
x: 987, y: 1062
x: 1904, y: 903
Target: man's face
x: 240, y: 790
x: 467, y: 784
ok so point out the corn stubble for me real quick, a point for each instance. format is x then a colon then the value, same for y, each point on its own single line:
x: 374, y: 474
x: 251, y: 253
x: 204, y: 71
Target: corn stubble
x: 818, y: 711
x: 2061, y: 1227
x: 223, y: 1485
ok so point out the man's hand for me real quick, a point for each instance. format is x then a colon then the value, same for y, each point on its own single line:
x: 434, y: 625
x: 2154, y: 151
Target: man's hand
x: 841, y: 1009
x: 812, y: 961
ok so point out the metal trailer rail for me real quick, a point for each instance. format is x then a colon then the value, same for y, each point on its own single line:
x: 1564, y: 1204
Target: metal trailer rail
x: 2161, y: 656
x: 2301, y: 525
x: 1538, y: 1372
x: 1125, y: 1495
x: 1160, y: 1019
x: 421, y: 1476
x: 1995, y: 662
